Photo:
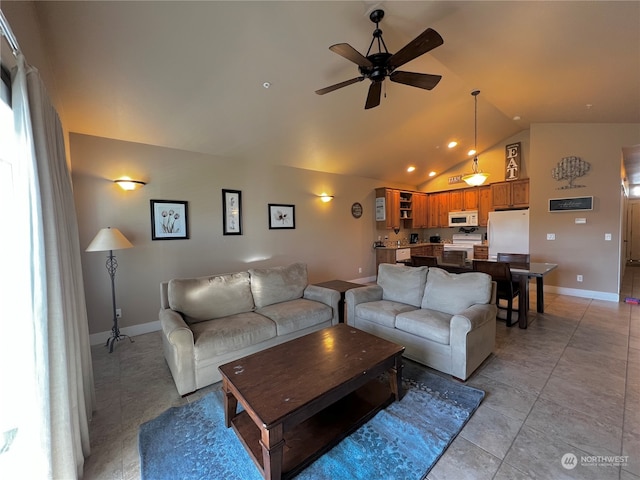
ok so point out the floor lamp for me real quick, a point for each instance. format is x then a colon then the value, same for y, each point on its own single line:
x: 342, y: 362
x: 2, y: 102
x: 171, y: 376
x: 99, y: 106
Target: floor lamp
x: 111, y: 239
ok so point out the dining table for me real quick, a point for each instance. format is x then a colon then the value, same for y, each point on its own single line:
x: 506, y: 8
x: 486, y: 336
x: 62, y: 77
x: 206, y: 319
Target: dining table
x: 523, y: 272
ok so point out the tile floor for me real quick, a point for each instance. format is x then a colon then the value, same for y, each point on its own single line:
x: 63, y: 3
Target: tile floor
x: 569, y: 384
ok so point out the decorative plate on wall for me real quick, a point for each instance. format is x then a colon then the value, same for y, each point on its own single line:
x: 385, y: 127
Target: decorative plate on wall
x: 356, y: 210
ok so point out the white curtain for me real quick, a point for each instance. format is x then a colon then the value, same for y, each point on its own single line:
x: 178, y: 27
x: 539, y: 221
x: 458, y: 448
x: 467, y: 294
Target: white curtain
x: 62, y: 390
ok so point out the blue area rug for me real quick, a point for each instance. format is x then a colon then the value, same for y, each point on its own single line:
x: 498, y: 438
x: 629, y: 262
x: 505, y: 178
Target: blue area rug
x: 403, y: 441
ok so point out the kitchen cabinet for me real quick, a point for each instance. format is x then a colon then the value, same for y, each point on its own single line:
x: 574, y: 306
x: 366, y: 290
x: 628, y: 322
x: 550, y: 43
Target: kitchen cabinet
x: 513, y: 194
x: 484, y: 205
x: 481, y: 252
x: 385, y: 255
x: 443, y: 209
x: 406, y: 205
x: 463, y: 199
x: 438, y: 206
x: 420, y: 210
x: 391, y: 207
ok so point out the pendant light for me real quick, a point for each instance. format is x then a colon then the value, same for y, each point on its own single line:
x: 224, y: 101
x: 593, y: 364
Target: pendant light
x: 477, y: 177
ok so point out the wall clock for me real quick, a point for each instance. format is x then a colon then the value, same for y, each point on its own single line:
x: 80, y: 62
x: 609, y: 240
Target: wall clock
x: 356, y: 210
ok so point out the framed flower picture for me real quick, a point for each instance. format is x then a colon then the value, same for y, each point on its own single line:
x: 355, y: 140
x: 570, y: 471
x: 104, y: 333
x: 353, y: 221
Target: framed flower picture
x: 169, y: 220
x: 231, y: 212
x: 282, y: 216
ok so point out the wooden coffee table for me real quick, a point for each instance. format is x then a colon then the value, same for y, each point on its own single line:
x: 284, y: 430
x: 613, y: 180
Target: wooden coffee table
x: 302, y: 397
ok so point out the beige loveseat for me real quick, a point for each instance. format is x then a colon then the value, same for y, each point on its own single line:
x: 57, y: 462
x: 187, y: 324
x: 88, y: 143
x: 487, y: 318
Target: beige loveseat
x: 210, y: 321
x: 445, y: 321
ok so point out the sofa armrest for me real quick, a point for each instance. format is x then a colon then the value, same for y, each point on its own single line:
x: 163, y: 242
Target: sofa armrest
x: 355, y: 296
x: 324, y: 295
x: 177, y: 340
x: 473, y: 317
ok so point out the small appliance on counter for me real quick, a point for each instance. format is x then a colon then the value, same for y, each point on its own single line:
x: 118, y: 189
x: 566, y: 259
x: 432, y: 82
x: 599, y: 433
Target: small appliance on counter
x: 414, y: 238
x: 435, y: 239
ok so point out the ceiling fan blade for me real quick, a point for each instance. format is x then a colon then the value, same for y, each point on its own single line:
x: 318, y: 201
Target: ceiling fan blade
x: 427, y: 40
x: 322, y: 91
x: 373, y: 98
x: 420, y: 80
x: 347, y: 51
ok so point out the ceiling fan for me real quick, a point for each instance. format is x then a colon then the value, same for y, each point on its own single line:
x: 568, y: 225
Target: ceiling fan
x: 377, y: 66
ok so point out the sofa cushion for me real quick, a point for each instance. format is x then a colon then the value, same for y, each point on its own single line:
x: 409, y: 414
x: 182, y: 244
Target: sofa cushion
x: 278, y: 284
x: 401, y: 283
x: 454, y: 292
x: 296, y: 314
x: 217, y: 337
x: 427, y: 324
x: 205, y: 298
x: 382, y: 312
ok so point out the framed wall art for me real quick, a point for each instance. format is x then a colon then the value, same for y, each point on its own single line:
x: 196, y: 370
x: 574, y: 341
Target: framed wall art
x: 282, y: 216
x: 169, y: 220
x: 231, y: 212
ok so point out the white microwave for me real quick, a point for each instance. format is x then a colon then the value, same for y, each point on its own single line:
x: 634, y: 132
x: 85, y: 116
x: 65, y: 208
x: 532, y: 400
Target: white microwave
x: 468, y: 218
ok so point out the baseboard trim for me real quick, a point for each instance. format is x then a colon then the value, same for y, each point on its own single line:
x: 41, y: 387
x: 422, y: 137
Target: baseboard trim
x: 576, y: 292
x: 132, y: 331
x: 363, y: 280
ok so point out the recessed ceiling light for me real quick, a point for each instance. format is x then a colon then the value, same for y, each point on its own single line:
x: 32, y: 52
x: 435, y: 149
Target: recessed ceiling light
x: 516, y: 118
x: 471, y: 152
x: 411, y: 169
x: 452, y: 144
x: 266, y: 84
x: 432, y: 174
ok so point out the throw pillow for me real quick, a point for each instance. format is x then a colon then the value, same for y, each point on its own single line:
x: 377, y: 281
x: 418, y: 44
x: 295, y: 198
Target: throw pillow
x: 205, y: 298
x: 454, y: 292
x: 401, y: 283
x: 278, y: 284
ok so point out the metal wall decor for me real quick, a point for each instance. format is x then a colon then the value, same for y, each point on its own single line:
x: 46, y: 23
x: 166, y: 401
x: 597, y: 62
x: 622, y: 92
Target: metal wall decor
x: 569, y: 169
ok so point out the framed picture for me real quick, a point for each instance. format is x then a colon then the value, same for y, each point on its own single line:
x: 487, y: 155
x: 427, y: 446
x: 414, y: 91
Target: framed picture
x: 231, y: 212
x: 282, y: 216
x: 169, y: 220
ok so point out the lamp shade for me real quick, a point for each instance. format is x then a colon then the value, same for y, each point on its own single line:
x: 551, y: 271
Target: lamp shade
x: 109, y: 239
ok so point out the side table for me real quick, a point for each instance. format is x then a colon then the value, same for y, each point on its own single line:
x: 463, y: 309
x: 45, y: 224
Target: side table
x: 340, y: 286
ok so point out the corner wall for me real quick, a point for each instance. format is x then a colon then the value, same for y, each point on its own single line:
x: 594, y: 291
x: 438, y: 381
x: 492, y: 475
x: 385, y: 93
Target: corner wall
x: 327, y: 238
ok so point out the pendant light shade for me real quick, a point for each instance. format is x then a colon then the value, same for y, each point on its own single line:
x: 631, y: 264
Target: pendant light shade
x: 477, y: 177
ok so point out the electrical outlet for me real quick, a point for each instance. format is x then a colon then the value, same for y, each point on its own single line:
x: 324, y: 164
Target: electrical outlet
x: 607, y: 236
x: 359, y: 269
x: 118, y: 313
x: 579, y: 278
x: 551, y: 236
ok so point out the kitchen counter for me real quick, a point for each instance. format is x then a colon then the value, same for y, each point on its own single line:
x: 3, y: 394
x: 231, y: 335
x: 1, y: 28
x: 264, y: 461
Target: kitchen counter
x: 410, y: 245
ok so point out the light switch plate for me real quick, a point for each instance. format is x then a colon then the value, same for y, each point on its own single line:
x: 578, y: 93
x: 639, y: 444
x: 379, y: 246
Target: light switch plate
x: 551, y: 236
x: 607, y: 236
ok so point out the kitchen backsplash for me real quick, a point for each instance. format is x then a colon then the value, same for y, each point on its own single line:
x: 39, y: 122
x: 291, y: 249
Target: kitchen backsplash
x: 390, y: 238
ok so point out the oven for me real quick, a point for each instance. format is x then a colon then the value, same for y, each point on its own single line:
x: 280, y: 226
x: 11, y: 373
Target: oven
x: 464, y: 242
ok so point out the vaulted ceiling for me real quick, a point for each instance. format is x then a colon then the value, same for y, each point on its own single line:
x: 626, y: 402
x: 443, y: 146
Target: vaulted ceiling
x: 190, y: 75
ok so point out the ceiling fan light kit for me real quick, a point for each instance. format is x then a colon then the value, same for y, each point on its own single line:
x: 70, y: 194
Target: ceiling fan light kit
x: 378, y: 66
x: 477, y: 177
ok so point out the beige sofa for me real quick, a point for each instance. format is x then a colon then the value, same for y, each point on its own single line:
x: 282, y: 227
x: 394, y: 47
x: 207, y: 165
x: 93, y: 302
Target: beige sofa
x: 445, y: 321
x: 210, y: 321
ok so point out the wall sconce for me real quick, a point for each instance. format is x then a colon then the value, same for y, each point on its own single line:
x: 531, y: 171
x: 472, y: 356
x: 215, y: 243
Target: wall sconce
x: 326, y: 198
x: 127, y: 184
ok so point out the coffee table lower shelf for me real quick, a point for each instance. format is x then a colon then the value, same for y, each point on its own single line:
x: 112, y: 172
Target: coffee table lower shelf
x: 307, y: 441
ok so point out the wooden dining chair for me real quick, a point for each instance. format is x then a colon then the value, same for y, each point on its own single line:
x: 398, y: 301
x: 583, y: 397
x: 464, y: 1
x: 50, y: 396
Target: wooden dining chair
x: 506, y: 289
x: 454, y: 257
x: 424, y: 261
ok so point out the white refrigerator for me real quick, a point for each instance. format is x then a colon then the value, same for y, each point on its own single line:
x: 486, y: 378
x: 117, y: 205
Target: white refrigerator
x: 508, y: 232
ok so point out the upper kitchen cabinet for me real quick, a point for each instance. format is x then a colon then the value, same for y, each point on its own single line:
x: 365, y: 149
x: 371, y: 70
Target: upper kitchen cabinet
x: 438, y: 209
x: 484, y: 205
x: 463, y: 199
x: 390, y: 210
x: 420, y: 210
x: 513, y: 194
